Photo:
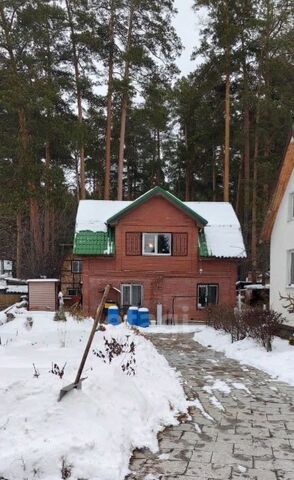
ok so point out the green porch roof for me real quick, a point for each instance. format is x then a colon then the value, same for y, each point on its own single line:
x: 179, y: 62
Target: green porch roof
x: 94, y: 243
x: 158, y: 191
x: 203, y: 249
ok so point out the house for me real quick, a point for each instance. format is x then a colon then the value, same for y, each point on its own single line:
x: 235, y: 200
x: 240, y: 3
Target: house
x: 158, y: 250
x: 278, y: 229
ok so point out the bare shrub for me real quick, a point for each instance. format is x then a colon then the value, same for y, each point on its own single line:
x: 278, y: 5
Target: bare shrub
x: 56, y: 370
x: 60, y: 316
x: 36, y: 373
x: 262, y: 325
x: 113, y: 349
x: 223, y: 317
x: 66, y: 469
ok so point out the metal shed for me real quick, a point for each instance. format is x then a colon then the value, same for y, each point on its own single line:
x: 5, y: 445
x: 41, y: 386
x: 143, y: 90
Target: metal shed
x: 43, y: 294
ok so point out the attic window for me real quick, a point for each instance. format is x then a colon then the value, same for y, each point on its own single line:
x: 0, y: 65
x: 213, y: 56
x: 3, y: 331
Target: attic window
x: 156, y: 244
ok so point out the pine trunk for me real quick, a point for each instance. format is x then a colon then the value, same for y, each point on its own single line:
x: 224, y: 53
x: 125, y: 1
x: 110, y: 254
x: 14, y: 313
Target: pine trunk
x: 82, y: 188
x: 124, y: 107
x: 109, y: 106
x: 238, y: 196
x: 213, y: 169
x: 158, y: 169
x: 246, y: 160
x: 254, y: 197
x: 188, y: 167
x: 227, y: 133
x: 47, y: 202
x: 19, y: 241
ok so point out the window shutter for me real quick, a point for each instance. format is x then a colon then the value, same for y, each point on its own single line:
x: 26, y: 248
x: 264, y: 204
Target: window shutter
x: 133, y: 243
x: 180, y: 244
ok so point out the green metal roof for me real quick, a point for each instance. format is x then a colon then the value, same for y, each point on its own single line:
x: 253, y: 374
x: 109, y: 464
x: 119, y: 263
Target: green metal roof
x: 94, y: 243
x: 203, y: 249
x: 157, y: 191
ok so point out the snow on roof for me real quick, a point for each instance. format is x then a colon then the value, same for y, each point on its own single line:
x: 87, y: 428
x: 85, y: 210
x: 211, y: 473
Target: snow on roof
x: 31, y: 280
x: 256, y: 286
x: 17, y: 289
x: 93, y: 214
x: 222, y: 232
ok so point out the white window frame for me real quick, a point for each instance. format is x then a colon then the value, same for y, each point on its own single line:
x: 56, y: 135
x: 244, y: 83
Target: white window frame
x: 291, y: 206
x: 199, y: 306
x: 156, y: 234
x: 130, y: 285
x: 290, y: 260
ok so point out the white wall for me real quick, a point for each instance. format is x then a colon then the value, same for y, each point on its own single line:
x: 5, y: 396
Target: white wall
x: 282, y: 240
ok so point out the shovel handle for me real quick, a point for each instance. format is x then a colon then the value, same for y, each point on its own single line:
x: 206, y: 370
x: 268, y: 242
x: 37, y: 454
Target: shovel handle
x: 98, y: 316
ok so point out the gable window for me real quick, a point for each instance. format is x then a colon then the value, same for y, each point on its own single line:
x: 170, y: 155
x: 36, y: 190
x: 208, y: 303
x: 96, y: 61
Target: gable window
x: 207, y: 294
x: 131, y: 294
x: 156, y: 244
x: 291, y: 268
x: 76, y: 266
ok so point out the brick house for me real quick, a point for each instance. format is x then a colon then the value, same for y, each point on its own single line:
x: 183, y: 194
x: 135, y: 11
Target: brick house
x: 159, y: 250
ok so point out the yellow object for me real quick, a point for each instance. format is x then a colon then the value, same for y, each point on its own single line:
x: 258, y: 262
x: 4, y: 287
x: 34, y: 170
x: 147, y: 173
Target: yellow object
x: 109, y: 304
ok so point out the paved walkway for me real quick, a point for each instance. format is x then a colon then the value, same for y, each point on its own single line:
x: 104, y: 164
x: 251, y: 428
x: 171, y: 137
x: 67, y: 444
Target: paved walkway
x: 246, y: 428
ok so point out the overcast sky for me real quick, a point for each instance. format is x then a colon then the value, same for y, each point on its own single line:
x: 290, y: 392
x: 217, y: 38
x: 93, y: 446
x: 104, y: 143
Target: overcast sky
x: 187, y: 24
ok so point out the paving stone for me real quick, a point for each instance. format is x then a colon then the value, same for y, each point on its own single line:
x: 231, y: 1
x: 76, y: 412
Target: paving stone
x: 252, y: 450
x: 274, y: 464
x: 201, y: 456
x: 282, y: 475
x: 253, y: 474
x: 221, y: 458
x: 256, y: 431
x: 172, y: 467
x: 176, y: 454
x: 286, y: 454
x: 206, y: 472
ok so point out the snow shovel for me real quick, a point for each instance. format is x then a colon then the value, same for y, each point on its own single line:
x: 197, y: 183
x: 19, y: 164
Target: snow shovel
x: 78, y: 380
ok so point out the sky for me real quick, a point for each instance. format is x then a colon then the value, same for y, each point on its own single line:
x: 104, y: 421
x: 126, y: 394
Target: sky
x: 187, y: 24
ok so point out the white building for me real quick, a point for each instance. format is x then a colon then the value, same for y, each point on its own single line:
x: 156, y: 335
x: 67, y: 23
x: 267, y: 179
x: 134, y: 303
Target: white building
x: 279, y: 230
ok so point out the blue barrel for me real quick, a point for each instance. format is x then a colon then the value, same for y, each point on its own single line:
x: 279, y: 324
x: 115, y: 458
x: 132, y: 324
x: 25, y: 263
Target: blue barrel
x: 132, y: 316
x: 113, y: 317
x: 143, y: 317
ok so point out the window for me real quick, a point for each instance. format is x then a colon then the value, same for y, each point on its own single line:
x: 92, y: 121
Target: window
x: 291, y: 206
x: 207, y: 295
x: 291, y: 267
x: 76, y: 266
x: 156, y: 244
x: 131, y: 295
x: 72, y: 292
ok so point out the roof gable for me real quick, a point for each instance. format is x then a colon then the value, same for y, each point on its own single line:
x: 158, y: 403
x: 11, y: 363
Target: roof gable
x: 286, y: 169
x: 158, y: 191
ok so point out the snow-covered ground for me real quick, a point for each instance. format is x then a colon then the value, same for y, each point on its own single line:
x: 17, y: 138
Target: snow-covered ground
x: 91, y: 433
x: 278, y: 363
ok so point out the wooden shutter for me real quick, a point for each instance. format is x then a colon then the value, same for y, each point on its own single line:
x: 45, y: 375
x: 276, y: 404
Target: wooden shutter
x: 180, y: 244
x: 133, y: 243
